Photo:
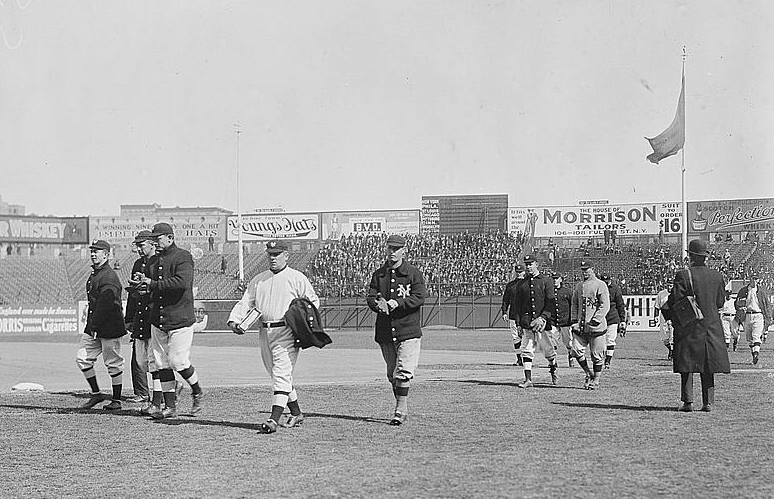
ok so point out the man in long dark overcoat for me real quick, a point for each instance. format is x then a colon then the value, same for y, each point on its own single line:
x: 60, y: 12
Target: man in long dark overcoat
x: 699, y: 347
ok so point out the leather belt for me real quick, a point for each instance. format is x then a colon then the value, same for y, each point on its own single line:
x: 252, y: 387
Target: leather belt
x: 273, y: 324
x: 728, y: 315
x: 751, y: 312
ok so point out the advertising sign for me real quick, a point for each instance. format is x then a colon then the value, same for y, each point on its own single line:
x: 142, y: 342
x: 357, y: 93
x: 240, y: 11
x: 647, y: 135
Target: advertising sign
x: 38, y: 319
x: 430, y: 215
x: 337, y: 224
x: 24, y: 229
x: 734, y: 215
x: 267, y: 226
x: 641, y: 310
x: 594, y: 220
x: 190, y: 231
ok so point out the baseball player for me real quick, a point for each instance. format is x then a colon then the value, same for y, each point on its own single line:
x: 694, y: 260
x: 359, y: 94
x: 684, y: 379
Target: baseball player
x: 533, y: 300
x: 753, y: 300
x: 590, y: 305
x: 509, y: 312
x: 396, y: 293
x: 561, y: 328
x: 104, y: 327
x: 616, y: 318
x: 271, y: 292
x: 664, y: 324
x: 728, y: 318
x: 169, y: 279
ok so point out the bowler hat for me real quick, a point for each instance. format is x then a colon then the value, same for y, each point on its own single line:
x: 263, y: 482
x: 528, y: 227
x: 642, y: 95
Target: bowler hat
x: 161, y: 229
x: 143, y: 235
x: 100, y: 244
x: 698, y: 247
x: 396, y: 241
x: 275, y: 247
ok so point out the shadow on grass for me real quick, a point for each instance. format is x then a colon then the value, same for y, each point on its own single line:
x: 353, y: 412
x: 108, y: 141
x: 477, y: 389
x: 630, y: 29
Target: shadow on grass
x: 642, y: 408
x: 184, y: 419
x: 538, y: 385
x: 74, y: 410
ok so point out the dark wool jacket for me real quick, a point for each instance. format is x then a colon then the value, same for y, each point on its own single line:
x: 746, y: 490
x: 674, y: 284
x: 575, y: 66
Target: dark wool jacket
x: 304, y: 320
x: 406, y: 285
x: 137, y: 316
x: 106, y: 316
x: 563, y: 298
x: 508, y: 294
x: 534, y: 297
x: 617, y: 311
x: 171, y: 273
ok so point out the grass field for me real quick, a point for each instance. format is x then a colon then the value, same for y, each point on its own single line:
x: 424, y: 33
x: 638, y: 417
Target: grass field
x: 471, y: 433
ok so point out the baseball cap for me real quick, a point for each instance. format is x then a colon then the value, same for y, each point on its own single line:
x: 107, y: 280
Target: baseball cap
x: 275, y: 247
x: 519, y: 267
x: 396, y: 241
x: 143, y: 235
x: 585, y: 264
x: 556, y: 275
x: 605, y: 277
x: 161, y: 229
x: 100, y: 244
x: 529, y: 260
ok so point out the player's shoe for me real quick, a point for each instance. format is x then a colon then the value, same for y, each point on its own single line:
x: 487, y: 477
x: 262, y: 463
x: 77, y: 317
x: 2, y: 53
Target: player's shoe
x: 607, y: 364
x: 149, y: 410
x: 525, y: 384
x: 594, y: 384
x: 587, y: 382
x: 270, y: 426
x: 755, y: 358
x: 165, y: 413
x: 293, y: 421
x: 685, y: 407
x: 554, y: 377
x: 95, y: 399
x: 735, y: 342
x: 114, y: 405
x: 137, y: 399
x: 571, y: 362
x: 706, y: 408
x: 196, y: 405
x: 398, y: 419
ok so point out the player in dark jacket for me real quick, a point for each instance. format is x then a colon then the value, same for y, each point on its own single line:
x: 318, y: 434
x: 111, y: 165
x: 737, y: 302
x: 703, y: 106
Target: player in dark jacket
x: 616, y: 318
x: 138, y: 320
x: 533, y: 300
x: 562, y: 322
x: 396, y: 293
x: 104, y: 327
x: 509, y: 312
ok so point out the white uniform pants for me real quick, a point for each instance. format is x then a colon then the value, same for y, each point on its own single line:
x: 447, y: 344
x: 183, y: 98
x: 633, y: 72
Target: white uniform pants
x: 730, y: 328
x: 279, y: 357
x: 667, y: 332
x: 172, y: 349
x: 753, y: 328
x: 90, y: 348
x: 515, y: 331
x: 611, y: 335
x: 595, y: 343
x: 532, y: 340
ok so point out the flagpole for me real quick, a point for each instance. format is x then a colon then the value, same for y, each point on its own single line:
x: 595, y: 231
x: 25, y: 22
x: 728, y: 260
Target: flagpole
x: 239, y: 213
x: 684, y: 224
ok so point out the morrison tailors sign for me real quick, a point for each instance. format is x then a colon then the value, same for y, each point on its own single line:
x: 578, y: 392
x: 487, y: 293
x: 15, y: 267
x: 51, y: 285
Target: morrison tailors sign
x: 731, y: 215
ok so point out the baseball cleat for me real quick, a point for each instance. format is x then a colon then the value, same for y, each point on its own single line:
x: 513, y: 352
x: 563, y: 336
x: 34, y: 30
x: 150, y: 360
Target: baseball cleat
x: 293, y: 421
x: 149, y: 410
x: 95, y: 399
x: 525, y: 384
x: 196, y: 405
x: 137, y: 399
x: 165, y: 413
x: 594, y: 383
x: 755, y: 357
x: 685, y: 407
x: 398, y: 419
x: 114, y: 405
x: 270, y: 426
x: 706, y: 408
x: 587, y: 382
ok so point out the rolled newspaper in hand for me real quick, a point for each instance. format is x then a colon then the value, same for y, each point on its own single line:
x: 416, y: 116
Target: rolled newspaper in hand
x: 252, y: 316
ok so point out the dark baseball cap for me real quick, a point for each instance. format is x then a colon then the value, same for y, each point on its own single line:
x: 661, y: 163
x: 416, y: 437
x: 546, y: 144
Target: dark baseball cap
x: 161, y: 229
x: 586, y: 264
x: 275, y: 247
x: 556, y: 275
x: 396, y: 241
x: 143, y: 235
x: 519, y: 267
x: 100, y: 244
x: 605, y: 277
x: 529, y: 260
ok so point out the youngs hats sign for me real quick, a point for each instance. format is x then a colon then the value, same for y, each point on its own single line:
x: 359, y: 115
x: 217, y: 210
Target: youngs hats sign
x: 262, y: 227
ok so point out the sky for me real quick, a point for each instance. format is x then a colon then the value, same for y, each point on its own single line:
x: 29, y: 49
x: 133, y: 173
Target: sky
x: 369, y: 105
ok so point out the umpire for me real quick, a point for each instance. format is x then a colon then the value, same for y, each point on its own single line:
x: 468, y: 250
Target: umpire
x: 104, y: 327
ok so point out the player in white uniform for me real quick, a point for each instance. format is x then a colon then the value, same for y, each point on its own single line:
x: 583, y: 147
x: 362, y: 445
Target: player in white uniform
x: 271, y: 292
x: 664, y: 325
x: 727, y: 316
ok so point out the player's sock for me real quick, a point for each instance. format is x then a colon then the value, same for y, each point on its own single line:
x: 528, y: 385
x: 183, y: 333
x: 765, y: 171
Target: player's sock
x: 190, y: 376
x: 584, y: 364
x: 401, y: 395
x: 527, y: 368
x: 158, y: 396
x: 115, y: 380
x: 91, y: 379
x: 167, y: 378
x: 517, y: 347
x: 278, y: 402
x: 293, y: 406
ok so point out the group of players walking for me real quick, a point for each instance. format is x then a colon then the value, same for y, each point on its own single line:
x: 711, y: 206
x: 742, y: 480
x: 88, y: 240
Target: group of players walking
x: 541, y: 311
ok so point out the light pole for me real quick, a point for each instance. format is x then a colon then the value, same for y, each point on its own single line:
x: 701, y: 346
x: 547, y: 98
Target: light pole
x: 238, y: 130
